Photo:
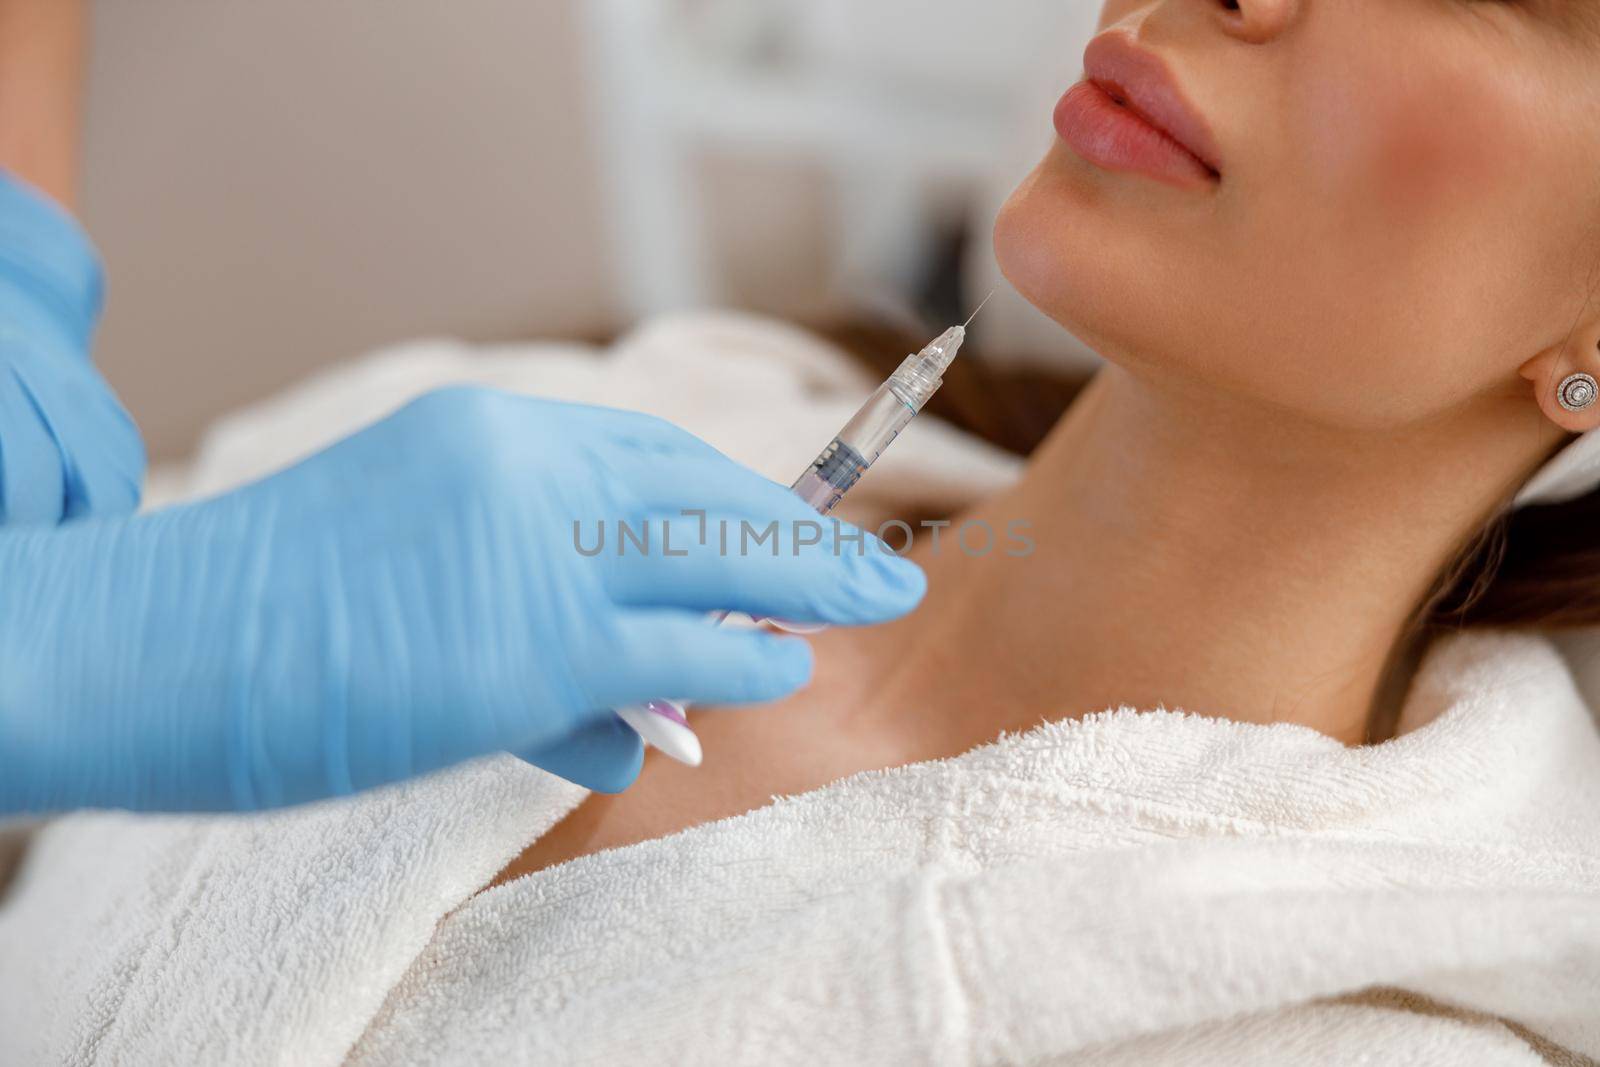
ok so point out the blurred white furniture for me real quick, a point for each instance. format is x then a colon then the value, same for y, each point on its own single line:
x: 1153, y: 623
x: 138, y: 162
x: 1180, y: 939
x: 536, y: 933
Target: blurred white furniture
x: 905, y: 104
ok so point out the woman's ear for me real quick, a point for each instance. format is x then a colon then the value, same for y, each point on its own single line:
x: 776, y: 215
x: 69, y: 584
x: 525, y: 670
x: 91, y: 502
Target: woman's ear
x: 1550, y: 368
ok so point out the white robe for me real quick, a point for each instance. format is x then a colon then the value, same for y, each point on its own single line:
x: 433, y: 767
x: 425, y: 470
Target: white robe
x: 1125, y: 888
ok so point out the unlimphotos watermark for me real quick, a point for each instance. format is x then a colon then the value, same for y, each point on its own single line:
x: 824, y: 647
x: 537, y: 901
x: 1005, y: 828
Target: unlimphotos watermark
x: 972, y: 537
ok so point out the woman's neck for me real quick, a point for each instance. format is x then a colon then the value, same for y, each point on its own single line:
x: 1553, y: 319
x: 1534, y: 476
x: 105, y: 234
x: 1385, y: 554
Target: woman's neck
x: 1195, y: 553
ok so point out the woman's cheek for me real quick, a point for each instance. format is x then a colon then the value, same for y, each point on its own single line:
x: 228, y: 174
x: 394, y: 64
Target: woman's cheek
x: 1395, y: 147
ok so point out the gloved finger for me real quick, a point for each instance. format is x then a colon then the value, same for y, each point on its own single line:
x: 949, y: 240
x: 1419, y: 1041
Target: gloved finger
x: 612, y: 429
x: 122, y: 443
x: 105, y: 478
x: 103, y: 469
x: 31, y: 472
x: 644, y: 432
x: 685, y: 656
x: 671, y: 483
x: 604, y: 756
x: 95, y: 487
x: 810, y: 570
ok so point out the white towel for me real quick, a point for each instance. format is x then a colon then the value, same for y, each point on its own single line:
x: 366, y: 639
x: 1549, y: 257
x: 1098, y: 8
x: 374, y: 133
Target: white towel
x: 1128, y: 888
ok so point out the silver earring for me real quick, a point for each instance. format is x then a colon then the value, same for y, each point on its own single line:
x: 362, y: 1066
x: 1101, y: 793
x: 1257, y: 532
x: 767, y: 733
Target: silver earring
x: 1577, y: 391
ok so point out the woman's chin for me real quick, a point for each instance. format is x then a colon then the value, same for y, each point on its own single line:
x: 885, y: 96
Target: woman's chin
x: 1097, y: 263
x: 1047, y: 247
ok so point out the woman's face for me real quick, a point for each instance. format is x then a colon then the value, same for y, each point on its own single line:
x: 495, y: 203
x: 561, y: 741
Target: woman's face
x: 1408, y: 205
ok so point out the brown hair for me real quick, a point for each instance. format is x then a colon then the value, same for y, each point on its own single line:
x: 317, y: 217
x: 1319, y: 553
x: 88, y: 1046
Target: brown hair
x: 1537, y: 567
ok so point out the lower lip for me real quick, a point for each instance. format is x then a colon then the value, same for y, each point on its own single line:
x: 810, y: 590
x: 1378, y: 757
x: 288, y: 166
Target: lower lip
x: 1109, y: 135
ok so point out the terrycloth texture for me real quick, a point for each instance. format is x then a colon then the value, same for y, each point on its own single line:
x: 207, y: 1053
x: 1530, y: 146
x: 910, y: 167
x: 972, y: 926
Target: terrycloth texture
x: 1154, y: 887
x: 1129, y: 888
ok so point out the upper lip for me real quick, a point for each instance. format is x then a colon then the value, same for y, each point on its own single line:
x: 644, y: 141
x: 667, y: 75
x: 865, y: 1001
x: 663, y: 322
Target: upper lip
x: 1147, y: 86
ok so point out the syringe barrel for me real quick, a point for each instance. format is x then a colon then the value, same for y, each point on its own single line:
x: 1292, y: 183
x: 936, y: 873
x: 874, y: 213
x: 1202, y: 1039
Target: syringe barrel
x: 831, y: 475
x: 857, y: 447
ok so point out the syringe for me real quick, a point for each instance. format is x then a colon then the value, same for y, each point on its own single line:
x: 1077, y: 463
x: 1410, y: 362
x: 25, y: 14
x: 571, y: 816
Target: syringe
x: 825, y: 482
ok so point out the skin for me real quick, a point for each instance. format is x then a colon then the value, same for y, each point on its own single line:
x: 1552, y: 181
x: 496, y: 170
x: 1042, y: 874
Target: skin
x: 42, y: 49
x: 1325, y: 373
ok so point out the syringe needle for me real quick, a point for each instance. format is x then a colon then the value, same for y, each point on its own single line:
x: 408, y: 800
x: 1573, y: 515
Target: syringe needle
x: 979, y: 308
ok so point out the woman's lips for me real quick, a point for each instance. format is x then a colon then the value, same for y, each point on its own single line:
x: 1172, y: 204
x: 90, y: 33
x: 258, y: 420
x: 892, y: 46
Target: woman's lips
x: 1110, y: 135
x: 1129, y: 113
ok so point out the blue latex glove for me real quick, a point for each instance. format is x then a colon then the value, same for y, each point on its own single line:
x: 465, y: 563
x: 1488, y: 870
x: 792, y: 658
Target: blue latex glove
x: 67, y: 448
x: 411, y: 597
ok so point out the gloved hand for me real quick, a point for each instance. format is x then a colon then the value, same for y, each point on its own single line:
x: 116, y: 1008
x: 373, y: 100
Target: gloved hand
x: 416, y: 595
x: 67, y: 448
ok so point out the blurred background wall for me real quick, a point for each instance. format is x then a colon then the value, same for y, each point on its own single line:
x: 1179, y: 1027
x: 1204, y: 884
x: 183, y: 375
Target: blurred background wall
x: 277, y: 185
